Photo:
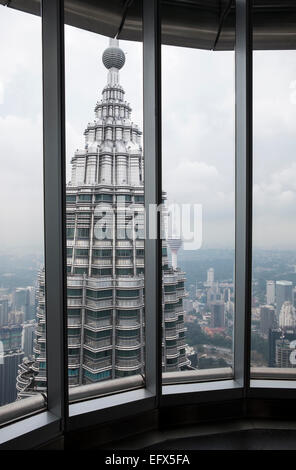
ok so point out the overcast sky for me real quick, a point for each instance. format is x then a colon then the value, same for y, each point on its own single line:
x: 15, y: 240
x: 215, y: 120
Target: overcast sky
x: 198, y: 130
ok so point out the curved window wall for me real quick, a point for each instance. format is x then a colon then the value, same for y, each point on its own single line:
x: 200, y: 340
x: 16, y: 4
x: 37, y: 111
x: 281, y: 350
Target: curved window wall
x: 194, y: 311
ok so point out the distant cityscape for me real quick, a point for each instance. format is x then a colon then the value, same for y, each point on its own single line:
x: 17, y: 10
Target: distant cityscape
x: 209, y: 308
x: 208, y: 305
x: 18, y: 303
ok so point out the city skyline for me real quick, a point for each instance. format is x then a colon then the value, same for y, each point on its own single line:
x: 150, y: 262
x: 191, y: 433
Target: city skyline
x: 209, y: 310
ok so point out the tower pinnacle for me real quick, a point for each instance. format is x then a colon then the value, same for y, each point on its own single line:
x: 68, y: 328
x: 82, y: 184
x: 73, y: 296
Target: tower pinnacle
x: 113, y: 58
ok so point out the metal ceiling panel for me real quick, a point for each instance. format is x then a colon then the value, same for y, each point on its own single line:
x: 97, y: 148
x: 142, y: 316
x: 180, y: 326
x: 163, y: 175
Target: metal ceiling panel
x: 189, y: 23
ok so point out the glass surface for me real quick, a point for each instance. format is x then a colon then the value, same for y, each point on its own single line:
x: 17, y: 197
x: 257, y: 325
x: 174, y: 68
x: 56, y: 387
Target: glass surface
x: 274, y: 257
x: 22, y: 315
x: 105, y: 203
x: 199, y: 185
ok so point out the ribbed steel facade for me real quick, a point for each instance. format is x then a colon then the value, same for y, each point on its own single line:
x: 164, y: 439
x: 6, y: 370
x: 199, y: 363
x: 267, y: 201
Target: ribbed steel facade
x: 105, y: 255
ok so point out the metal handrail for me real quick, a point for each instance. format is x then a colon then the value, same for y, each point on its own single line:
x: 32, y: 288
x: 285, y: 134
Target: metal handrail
x: 107, y: 387
x: 30, y: 405
x: 22, y: 408
x: 197, y: 375
x: 273, y: 373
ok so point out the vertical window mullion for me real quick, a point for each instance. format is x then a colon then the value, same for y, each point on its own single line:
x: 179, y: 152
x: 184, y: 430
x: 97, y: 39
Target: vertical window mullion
x: 54, y: 203
x: 153, y: 191
x: 243, y: 215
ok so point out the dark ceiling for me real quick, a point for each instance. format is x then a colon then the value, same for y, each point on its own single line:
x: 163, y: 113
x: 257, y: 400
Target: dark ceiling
x: 191, y: 23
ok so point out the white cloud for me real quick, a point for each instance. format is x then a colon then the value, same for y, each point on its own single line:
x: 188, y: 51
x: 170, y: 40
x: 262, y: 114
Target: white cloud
x: 21, y: 201
x: 1, y: 92
x: 277, y: 192
x: 198, y: 128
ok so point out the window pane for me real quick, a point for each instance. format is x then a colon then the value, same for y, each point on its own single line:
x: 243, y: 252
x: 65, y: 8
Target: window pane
x: 199, y: 186
x: 22, y: 284
x: 274, y: 259
x: 105, y: 197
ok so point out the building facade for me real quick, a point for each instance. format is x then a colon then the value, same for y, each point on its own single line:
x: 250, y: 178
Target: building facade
x: 28, y: 338
x: 217, y: 314
x: 277, y: 334
x: 267, y: 319
x: 284, y: 293
x: 4, y: 310
x: 283, y: 353
x: 11, y: 356
x: 105, y: 254
x: 270, y: 292
x: 287, y: 317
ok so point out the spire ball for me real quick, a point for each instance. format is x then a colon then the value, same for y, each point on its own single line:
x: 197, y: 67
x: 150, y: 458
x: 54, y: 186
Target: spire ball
x: 113, y: 56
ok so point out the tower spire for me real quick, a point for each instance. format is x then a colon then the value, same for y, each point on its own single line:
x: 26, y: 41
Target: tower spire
x: 113, y: 59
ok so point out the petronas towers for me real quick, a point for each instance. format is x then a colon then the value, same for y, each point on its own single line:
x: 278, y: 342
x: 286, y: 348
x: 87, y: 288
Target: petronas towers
x: 105, y: 255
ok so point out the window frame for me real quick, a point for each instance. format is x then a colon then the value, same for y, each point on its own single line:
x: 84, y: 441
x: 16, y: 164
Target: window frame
x: 60, y: 416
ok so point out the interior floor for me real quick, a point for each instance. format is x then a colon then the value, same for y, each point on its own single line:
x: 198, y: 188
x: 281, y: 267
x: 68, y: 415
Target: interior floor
x: 229, y: 435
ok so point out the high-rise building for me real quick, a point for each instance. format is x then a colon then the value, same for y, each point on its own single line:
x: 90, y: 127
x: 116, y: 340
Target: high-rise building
x: 294, y: 296
x: 283, y: 353
x: 24, y: 300
x: 11, y: 356
x: 172, y: 232
x: 20, y: 299
x: 105, y: 253
x: 278, y: 334
x: 283, y: 292
x: 213, y: 292
x: 174, y: 245
x: 270, y: 292
x: 9, y: 363
x: 11, y: 337
x: 227, y: 294
x: 210, y: 276
x: 31, y: 303
x: 217, y: 314
x: 4, y: 309
x: 16, y: 317
x: 27, y: 338
x: 267, y: 318
x: 287, y: 317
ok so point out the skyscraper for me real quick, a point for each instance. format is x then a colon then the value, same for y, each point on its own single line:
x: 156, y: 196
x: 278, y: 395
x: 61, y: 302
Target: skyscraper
x: 217, y: 314
x: 105, y: 253
x: 24, y: 300
x: 287, y: 317
x: 174, y: 245
x: 27, y: 338
x: 4, y: 309
x: 273, y: 337
x: 267, y: 318
x: 210, y: 276
x: 270, y: 292
x: 284, y: 292
x: 11, y: 356
x: 283, y: 353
